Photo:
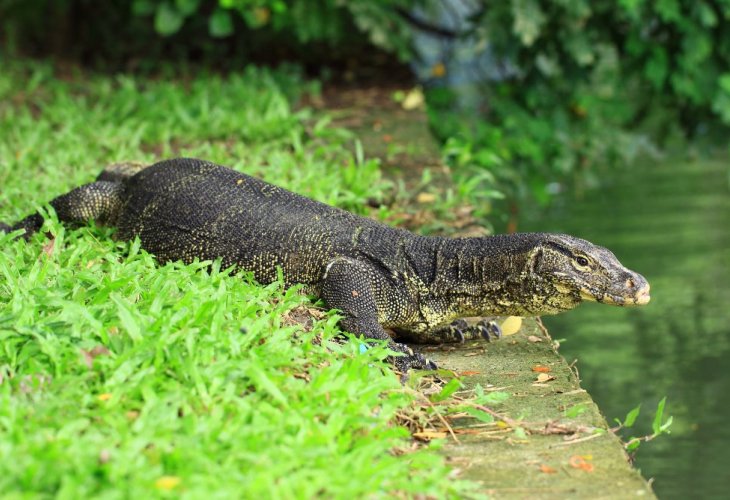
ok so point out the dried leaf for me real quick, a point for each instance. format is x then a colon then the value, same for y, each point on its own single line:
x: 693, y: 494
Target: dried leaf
x: 580, y: 462
x: 429, y: 435
x: 104, y: 397
x: 469, y: 354
x: 468, y: 373
x: 511, y: 325
x: 547, y: 469
x: 534, y: 339
x: 413, y: 100
x: 89, y: 356
x: 48, y: 247
x: 541, y: 369
x: 544, y: 377
x: 426, y: 198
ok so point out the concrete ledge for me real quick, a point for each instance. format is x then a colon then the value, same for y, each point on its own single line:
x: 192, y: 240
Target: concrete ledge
x: 563, y: 455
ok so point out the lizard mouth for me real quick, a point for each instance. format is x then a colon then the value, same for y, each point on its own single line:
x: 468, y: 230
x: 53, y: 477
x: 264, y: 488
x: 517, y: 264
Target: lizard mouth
x: 639, y: 298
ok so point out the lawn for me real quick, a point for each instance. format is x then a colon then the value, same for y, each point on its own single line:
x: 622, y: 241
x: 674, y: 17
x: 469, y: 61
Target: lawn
x: 123, y: 378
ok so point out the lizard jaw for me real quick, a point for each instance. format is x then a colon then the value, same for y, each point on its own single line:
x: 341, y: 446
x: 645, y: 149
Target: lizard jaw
x: 640, y: 298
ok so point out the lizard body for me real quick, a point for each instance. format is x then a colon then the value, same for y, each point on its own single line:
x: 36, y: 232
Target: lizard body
x: 378, y: 276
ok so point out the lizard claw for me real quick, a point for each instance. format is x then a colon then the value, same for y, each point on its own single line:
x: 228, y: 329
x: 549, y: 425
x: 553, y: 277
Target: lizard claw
x: 489, y: 329
x: 457, y: 328
x: 412, y: 360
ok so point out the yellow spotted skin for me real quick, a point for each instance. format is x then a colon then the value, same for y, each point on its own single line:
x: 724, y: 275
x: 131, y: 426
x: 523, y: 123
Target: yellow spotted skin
x: 379, y: 277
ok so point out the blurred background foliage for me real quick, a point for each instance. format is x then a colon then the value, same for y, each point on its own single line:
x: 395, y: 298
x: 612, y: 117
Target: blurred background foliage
x: 574, y: 86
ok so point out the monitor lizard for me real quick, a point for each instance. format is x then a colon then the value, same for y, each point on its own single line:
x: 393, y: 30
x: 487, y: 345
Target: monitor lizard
x: 382, y: 279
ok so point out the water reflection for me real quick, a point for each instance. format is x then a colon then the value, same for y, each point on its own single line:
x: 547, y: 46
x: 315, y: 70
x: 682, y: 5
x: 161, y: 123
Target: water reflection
x: 671, y: 223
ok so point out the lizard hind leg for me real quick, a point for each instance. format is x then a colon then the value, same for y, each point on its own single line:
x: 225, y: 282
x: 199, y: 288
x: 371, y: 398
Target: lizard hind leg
x: 101, y: 200
x: 120, y: 172
x: 348, y: 285
x: 458, y: 331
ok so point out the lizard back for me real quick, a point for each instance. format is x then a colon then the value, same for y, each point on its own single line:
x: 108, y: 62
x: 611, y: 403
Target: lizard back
x: 187, y: 209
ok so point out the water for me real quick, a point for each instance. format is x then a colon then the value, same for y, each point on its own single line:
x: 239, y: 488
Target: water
x: 671, y: 223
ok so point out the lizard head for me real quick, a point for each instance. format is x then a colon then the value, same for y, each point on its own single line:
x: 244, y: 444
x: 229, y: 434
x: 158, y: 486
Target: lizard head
x: 569, y: 270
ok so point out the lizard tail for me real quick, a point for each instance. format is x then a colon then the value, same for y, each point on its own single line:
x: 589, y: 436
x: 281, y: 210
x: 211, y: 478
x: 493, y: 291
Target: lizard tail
x: 100, y: 201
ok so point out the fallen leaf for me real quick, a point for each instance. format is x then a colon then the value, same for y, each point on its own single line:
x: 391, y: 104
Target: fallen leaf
x: 104, y: 456
x: 429, y: 435
x: 534, y: 339
x: 425, y: 198
x: 414, y: 99
x: 547, y: 469
x: 104, y: 397
x: 89, y: 356
x: 167, y: 482
x: 544, y: 377
x: 469, y: 354
x: 541, y: 369
x: 511, y: 325
x: 469, y: 373
x: 580, y: 462
x: 48, y: 247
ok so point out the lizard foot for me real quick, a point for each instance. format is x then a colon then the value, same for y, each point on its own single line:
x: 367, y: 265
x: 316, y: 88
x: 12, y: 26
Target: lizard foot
x: 488, y: 329
x: 411, y: 361
x: 457, y: 329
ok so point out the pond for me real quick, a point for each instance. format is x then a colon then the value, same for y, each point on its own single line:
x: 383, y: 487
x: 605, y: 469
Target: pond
x: 669, y: 221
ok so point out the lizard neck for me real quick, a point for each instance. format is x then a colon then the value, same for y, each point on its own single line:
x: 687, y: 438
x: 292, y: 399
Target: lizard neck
x: 491, y: 276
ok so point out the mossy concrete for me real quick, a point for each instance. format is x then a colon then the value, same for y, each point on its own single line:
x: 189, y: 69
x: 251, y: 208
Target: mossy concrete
x: 561, y: 455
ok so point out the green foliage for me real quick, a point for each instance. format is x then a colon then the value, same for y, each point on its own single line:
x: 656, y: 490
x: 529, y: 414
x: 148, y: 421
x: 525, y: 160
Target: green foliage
x: 225, y: 34
x: 121, y: 377
x: 655, y: 52
x: 592, y: 80
x: 575, y: 410
x: 447, y: 390
x: 585, y: 72
x: 328, y: 21
x: 659, y: 426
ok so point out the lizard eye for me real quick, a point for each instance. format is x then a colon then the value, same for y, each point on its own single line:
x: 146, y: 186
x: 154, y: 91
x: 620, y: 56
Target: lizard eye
x: 582, y: 261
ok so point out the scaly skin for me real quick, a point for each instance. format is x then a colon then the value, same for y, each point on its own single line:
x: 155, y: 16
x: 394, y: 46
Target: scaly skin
x: 379, y: 277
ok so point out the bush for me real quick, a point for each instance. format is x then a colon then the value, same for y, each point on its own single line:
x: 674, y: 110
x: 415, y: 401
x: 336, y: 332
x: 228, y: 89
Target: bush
x: 593, y: 84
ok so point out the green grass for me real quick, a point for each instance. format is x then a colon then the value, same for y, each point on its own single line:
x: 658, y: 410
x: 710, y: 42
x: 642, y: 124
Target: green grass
x: 123, y: 378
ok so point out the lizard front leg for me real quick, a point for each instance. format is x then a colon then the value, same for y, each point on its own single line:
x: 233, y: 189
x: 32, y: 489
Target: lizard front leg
x: 349, y: 285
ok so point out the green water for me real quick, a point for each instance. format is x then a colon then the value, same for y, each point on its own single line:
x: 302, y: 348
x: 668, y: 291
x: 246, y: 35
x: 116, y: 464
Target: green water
x: 671, y: 223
